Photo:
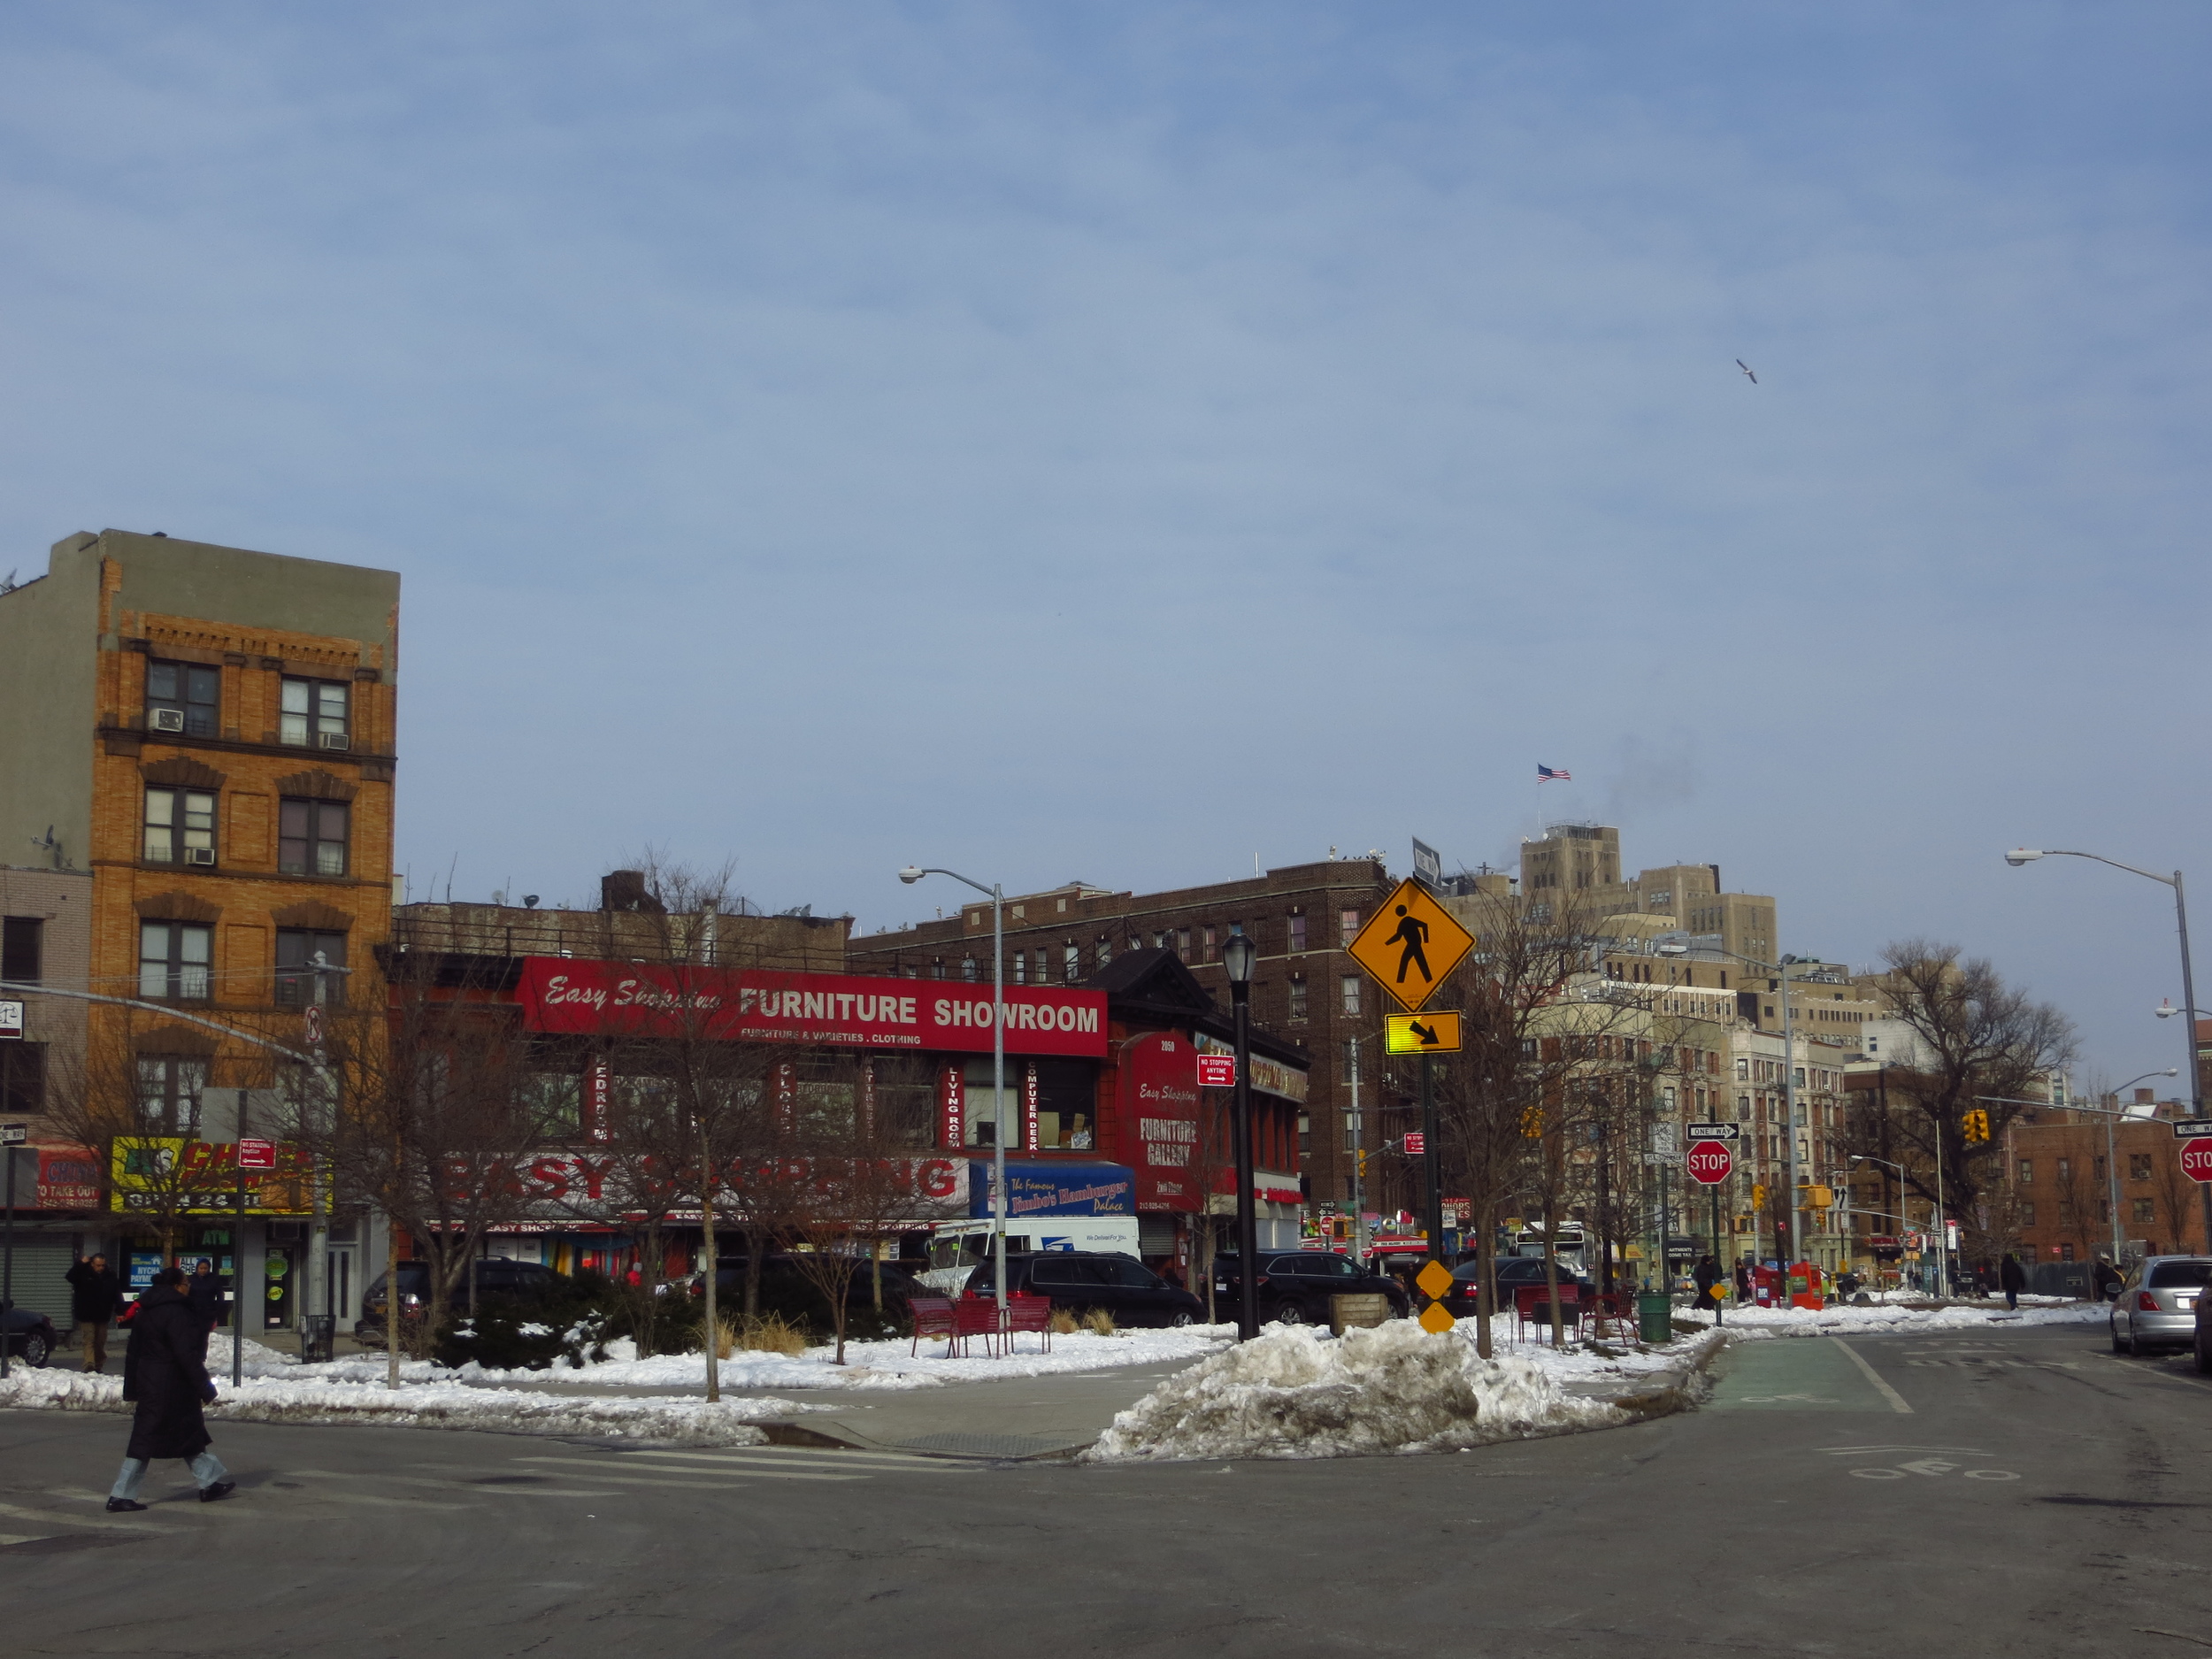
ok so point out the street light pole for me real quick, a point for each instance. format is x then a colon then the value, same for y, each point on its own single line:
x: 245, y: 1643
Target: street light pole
x: 2020, y: 856
x: 910, y: 875
x: 1237, y: 956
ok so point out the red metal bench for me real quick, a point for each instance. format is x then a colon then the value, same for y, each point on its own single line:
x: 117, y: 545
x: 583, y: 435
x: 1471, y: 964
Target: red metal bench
x: 976, y: 1316
x: 1029, y: 1313
x: 1532, y: 1305
x: 932, y: 1318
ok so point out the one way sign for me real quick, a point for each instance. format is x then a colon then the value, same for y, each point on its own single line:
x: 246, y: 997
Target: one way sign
x: 1436, y: 1031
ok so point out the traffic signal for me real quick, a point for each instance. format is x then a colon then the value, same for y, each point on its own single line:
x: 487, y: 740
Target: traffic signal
x: 1759, y: 1197
x: 1363, y: 1163
x: 1976, y: 1125
x: 1533, y: 1123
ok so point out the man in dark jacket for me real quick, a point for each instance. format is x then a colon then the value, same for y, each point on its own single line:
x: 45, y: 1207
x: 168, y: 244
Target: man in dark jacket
x: 2012, y: 1279
x: 206, y: 1292
x: 1707, y: 1276
x: 164, y: 1375
x: 94, y: 1293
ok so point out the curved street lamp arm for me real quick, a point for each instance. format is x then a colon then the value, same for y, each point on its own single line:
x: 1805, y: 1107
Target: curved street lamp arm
x: 2064, y: 852
x: 164, y: 1009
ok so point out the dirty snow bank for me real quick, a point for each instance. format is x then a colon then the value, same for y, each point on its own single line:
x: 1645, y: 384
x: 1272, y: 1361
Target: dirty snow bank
x: 1893, y: 1319
x: 447, y: 1405
x: 1294, y: 1392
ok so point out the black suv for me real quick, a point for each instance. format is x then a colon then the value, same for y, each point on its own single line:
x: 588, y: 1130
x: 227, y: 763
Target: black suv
x: 495, y: 1276
x: 1080, y: 1279
x: 1513, y: 1273
x: 1294, y: 1286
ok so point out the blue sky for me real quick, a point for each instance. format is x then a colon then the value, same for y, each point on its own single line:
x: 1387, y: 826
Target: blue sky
x: 1114, y: 440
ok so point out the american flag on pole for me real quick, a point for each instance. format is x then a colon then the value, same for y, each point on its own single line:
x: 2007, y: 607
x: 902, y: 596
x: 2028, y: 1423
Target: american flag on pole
x: 1545, y: 774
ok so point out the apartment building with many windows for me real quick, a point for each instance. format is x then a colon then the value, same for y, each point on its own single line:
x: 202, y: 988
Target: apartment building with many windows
x: 207, y: 733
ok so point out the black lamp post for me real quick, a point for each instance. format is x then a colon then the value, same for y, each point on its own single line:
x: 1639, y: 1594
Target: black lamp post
x: 1237, y: 956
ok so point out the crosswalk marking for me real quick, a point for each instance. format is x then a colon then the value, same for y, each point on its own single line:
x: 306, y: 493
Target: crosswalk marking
x: 73, y: 1522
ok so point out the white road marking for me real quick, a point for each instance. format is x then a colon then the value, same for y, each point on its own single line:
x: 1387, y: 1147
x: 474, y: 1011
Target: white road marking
x: 1896, y: 1400
x: 48, y: 1517
x: 459, y: 1488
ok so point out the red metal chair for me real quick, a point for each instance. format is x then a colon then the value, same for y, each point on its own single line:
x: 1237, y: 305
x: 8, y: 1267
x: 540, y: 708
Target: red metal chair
x: 1028, y: 1313
x: 932, y: 1318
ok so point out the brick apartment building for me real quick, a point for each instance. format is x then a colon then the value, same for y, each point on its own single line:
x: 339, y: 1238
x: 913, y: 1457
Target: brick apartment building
x: 2060, y: 1188
x: 1305, y: 988
x: 203, y: 738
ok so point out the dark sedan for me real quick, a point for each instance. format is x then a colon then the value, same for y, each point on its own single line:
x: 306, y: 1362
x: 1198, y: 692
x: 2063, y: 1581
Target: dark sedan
x: 1294, y: 1286
x: 30, y: 1336
x: 1515, y: 1272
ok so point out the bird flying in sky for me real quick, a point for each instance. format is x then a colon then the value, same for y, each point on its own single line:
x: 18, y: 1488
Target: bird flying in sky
x: 1745, y: 367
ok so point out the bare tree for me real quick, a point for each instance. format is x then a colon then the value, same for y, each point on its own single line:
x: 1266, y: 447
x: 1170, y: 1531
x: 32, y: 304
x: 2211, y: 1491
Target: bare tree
x: 1513, y: 1107
x: 1975, y: 1037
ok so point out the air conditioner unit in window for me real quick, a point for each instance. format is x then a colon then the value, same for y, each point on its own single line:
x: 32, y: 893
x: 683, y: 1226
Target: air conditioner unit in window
x: 336, y: 739
x: 165, y: 719
x: 199, y: 854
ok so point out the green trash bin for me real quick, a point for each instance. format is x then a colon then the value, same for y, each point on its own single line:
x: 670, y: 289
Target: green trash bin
x: 1655, y: 1317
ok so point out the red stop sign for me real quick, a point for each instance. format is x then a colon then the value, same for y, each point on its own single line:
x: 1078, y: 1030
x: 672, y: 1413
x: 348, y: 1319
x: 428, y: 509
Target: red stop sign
x: 2196, y: 1159
x: 1710, y: 1161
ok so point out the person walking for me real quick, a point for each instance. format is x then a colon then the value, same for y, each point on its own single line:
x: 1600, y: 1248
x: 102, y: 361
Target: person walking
x: 94, y: 1293
x: 1709, y: 1279
x: 2012, y: 1279
x: 205, y: 1293
x: 165, y: 1376
x: 1743, y: 1282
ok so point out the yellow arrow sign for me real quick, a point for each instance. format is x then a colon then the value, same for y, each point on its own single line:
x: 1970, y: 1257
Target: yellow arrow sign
x: 1411, y: 944
x: 1434, y: 1032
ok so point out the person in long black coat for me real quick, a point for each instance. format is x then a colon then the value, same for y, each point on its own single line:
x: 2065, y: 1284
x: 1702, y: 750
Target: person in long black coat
x: 94, y: 1293
x: 206, y: 1289
x: 164, y: 1375
x: 2012, y: 1279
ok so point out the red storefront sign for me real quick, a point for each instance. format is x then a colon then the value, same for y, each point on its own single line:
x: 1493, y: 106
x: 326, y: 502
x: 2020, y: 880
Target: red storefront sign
x: 1159, y: 1096
x: 591, y: 998
x: 68, y: 1177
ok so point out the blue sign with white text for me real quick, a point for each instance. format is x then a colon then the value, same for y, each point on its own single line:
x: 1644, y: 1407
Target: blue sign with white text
x: 1056, y: 1190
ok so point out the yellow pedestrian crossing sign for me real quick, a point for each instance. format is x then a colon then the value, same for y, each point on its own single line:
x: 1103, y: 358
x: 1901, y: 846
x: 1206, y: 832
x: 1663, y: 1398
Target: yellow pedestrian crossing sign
x: 1434, y: 1032
x: 1411, y: 944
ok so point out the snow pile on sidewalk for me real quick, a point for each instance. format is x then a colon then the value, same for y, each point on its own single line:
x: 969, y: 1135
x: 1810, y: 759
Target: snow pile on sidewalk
x: 1294, y: 1392
x: 885, y: 1364
x: 296, y: 1398
x: 1897, y: 1320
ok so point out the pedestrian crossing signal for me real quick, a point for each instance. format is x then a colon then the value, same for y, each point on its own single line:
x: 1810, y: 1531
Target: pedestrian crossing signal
x: 1976, y: 1125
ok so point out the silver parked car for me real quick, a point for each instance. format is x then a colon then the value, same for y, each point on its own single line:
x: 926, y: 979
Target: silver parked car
x: 2157, y: 1305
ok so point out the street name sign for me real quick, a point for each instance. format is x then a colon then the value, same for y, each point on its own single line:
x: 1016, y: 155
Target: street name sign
x: 256, y: 1154
x: 1434, y: 1033
x: 1712, y: 1155
x: 1411, y: 944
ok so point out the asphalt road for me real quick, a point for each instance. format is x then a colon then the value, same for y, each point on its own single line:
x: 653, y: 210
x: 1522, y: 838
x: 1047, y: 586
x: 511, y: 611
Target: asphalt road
x: 2020, y: 1494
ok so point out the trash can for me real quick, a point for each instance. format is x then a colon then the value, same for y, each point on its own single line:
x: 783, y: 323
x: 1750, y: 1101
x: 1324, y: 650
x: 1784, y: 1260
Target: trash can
x: 318, y: 1339
x: 1655, y: 1317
